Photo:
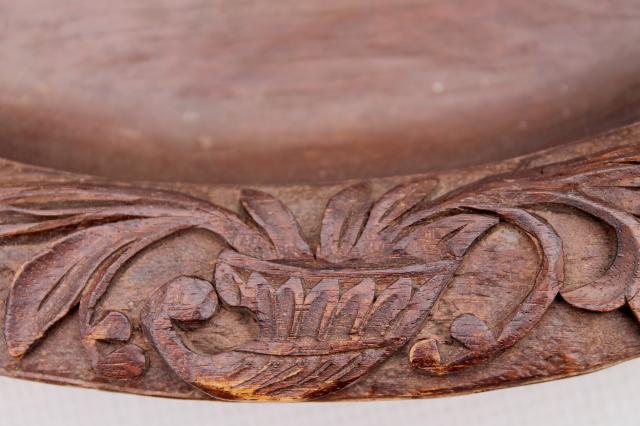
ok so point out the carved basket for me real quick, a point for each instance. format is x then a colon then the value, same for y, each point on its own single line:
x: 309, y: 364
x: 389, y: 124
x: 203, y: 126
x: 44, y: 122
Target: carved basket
x: 325, y: 316
x: 322, y: 325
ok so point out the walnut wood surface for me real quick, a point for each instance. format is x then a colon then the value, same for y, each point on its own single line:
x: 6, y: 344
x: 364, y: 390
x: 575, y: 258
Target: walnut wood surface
x: 301, y: 91
x: 412, y: 286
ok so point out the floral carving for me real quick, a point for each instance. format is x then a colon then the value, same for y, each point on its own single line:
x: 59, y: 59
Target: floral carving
x: 324, y: 319
x: 327, y: 315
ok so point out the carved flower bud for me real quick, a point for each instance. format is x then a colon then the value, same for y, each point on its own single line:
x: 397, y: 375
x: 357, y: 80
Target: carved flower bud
x: 190, y: 299
x: 126, y: 362
x: 114, y: 326
x: 472, y: 332
x: 228, y: 283
x: 425, y: 355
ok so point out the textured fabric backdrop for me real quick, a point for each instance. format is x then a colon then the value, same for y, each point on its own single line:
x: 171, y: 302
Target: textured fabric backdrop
x: 607, y: 397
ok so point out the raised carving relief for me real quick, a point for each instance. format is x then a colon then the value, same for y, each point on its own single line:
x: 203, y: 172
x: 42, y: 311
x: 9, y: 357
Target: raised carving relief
x: 325, y: 316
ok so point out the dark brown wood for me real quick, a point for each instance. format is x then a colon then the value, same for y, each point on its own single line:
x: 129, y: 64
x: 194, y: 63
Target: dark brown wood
x: 521, y: 271
x: 241, y: 92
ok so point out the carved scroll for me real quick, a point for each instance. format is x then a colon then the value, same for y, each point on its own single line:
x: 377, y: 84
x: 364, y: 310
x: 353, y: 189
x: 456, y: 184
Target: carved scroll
x: 327, y: 315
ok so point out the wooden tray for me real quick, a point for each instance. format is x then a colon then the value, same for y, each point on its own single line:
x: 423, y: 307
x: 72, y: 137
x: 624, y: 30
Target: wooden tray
x: 358, y: 222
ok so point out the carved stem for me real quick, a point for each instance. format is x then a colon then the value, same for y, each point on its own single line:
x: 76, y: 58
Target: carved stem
x: 548, y: 281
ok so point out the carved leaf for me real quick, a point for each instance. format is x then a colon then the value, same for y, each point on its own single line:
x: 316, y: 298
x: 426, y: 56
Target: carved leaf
x: 103, y: 276
x: 51, y: 284
x: 27, y: 210
x: 450, y: 236
x: 351, y: 310
x: 598, y: 296
x: 398, y: 201
x: 583, y: 185
x: 263, y: 307
x: 289, y: 299
x: 320, y: 302
x: 621, y: 280
x: 604, y: 186
x: 278, y: 222
x: 324, y: 314
x: 388, y: 305
x: 386, y: 211
x: 342, y: 222
x: 611, y: 195
x: 106, y: 227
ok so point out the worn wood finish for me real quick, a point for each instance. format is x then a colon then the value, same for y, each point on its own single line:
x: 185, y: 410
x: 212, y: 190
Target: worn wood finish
x: 252, y: 91
x: 411, y: 286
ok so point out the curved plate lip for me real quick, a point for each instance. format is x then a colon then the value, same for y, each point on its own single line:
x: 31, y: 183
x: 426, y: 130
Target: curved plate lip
x: 411, y: 88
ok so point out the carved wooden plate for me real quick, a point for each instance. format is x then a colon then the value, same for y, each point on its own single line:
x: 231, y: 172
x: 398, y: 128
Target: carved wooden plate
x: 401, y: 287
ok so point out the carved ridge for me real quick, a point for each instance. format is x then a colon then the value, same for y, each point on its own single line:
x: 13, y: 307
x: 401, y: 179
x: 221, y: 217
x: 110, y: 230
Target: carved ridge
x: 325, y: 316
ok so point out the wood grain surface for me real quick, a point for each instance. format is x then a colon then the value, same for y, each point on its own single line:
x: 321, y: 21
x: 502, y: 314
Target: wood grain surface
x: 412, y: 286
x: 277, y: 92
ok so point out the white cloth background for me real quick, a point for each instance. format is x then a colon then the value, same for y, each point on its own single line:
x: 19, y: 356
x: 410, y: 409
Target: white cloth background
x: 608, y: 397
